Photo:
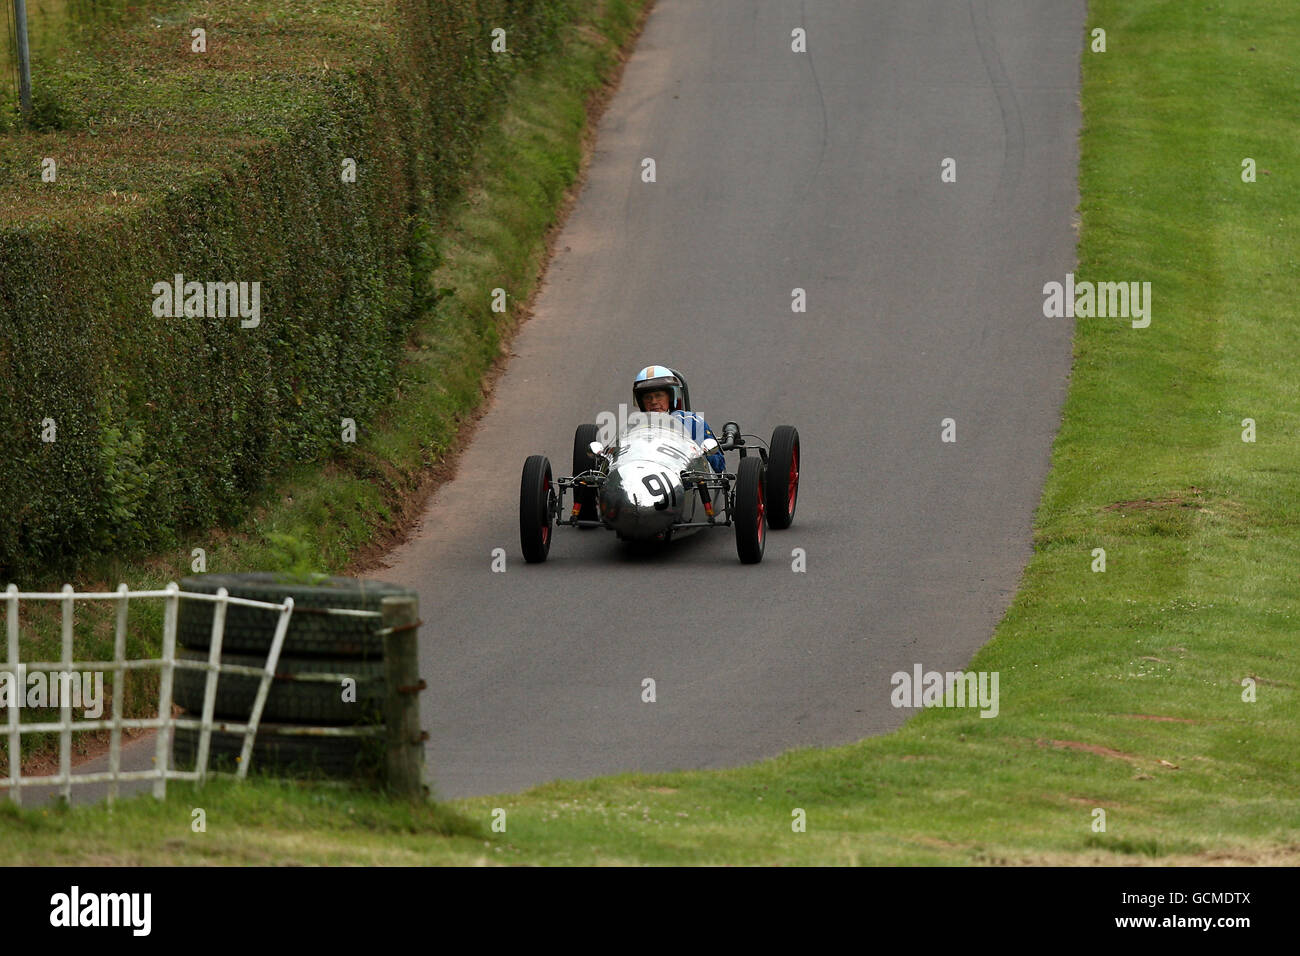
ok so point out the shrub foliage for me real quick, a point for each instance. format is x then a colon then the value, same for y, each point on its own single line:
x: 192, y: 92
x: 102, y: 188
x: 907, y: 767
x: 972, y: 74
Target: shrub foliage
x: 224, y: 166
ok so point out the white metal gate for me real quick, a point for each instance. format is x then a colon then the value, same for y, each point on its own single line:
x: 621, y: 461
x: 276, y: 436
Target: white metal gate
x: 165, y: 722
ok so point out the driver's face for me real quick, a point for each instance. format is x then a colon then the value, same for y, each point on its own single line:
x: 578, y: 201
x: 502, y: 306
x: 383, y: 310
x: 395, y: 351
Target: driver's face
x: 656, y: 401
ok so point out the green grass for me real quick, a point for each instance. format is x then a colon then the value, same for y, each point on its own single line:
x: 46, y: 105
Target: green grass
x: 48, y: 22
x: 132, y: 114
x: 1200, y: 531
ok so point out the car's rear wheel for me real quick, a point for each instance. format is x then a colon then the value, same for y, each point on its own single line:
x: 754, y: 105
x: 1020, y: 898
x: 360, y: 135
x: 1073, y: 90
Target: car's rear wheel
x: 584, y: 460
x: 749, y: 515
x: 536, y: 509
x: 782, y: 476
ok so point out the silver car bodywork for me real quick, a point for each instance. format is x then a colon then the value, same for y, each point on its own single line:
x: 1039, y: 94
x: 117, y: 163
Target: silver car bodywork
x: 656, y: 477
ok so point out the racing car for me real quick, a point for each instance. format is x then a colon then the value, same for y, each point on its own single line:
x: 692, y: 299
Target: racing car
x: 653, y: 483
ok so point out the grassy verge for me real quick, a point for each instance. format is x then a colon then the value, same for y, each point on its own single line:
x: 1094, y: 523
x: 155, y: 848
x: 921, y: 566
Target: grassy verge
x: 1121, y: 691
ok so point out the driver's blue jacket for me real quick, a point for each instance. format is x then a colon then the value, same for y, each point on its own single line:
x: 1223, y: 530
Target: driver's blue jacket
x: 699, y: 430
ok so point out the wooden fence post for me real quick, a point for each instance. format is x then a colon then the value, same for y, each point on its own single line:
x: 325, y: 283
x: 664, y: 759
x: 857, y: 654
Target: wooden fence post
x: 405, y: 758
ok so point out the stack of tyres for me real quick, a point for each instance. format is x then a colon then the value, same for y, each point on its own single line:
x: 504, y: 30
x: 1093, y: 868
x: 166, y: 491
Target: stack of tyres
x: 316, y: 642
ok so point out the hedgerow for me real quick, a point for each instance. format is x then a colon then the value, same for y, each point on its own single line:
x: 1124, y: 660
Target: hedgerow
x: 120, y: 429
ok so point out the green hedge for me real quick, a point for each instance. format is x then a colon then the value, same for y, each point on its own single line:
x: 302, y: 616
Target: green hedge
x: 167, y: 425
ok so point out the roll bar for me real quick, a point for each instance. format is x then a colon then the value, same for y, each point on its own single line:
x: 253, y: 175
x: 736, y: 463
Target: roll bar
x: 686, y: 389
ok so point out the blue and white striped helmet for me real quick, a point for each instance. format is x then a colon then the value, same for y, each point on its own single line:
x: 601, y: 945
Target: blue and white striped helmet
x: 658, y: 378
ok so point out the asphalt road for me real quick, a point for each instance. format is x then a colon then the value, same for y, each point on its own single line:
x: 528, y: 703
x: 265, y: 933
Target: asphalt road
x: 776, y: 170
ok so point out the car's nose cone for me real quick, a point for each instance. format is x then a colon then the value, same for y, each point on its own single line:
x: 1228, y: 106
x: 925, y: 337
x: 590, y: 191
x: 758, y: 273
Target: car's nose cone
x: 635, y: 502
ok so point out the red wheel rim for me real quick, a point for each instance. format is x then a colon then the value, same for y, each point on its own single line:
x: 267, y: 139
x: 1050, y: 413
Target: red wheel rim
x: 762, y: 513
x: 546, y: 515
x: 794, y: 480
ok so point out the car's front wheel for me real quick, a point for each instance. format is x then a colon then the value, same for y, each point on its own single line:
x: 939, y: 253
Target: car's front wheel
x: 750, y: 513
x: 536, y: 509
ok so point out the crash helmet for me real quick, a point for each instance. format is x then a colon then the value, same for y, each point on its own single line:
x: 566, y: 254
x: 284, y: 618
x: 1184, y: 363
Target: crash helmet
x: 654, y: 378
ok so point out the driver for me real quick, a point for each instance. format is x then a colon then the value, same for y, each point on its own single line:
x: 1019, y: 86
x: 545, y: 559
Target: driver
x: 658, y: 389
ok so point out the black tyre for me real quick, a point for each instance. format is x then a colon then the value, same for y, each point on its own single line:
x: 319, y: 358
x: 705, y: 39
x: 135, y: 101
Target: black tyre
x: 536, y: 509
x: 749, y: 515
x: 584, y: 460
x: 287, y: 701
x: 312, y: 631
x: 299, y: 756
x: 782, y: 476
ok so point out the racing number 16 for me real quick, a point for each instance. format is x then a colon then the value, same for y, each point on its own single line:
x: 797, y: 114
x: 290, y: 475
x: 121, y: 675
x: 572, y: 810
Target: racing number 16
x: 661, y: 488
